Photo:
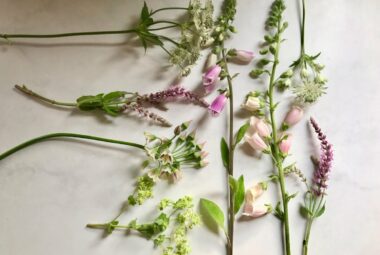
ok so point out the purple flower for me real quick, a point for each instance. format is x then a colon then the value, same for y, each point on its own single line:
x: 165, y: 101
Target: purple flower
x: 210, y: 77
x: 218, y: 104
x: 174, y: 93
x: 321, y: 174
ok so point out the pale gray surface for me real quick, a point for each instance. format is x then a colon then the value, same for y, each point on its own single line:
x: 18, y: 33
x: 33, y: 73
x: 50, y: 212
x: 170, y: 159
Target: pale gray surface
x: 49, y: 192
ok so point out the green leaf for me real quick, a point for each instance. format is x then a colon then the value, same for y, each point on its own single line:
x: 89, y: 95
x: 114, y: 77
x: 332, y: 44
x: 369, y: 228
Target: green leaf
x: 320, y: 212
x: 240, y: 134
x: 113, y: 96
x: 146, y: 20
x: 278, y: 212
x: 225, y: 152
x: 305, y: 212
x: 210, y: 210
x: 88, y: 103
x: 239, y: 194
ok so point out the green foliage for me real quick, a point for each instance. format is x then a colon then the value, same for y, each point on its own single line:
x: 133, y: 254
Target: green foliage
x: 224, y: 152
x: 238, y: 192
x: 143, y: 191
x: 211, y: 211
x: 241, y: 132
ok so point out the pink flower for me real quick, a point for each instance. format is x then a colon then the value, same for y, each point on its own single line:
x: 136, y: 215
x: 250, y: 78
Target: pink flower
x: 262, y: 128
x: 251, y: 195
x: 218, y: 104
x: 256, y: 142
x: 293, y: 116
x: 210, y: 77
x: 243, y: 56
x: 285, y: 144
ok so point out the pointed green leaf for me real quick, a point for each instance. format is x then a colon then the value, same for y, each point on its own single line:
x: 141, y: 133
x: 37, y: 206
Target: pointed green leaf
x: 113, y: 95
x: 210, y: 210
x: 239, y: 194
x: 305, y: 212
x: 240, y: 134
x: 225, y: 152
x: 320, y: 212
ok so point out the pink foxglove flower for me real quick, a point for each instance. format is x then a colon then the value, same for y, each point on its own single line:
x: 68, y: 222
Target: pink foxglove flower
x: 210, y: 78
x: 250, y: 209
x: 243, y: 56
x: 285, y: 144
x: 293, y: 116
x: 262, y: 128
x: 218, y: 104
x: 256, y: 142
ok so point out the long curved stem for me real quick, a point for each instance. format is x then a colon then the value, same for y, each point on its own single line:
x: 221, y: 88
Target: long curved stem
x: 168, y: 8
x: 29, y: 92
x: 89, y: 33
x: 70, y: 135
x: 231, y: 214
x: 275, y: 151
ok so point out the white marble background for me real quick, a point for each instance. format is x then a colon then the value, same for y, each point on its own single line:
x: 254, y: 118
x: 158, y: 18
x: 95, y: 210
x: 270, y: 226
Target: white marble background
x: 49, y: 192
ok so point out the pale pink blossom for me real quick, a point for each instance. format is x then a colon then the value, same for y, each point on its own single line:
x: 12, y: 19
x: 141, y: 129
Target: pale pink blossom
x: 256, y: 142
x: 210, y: 77
x: 262, y: 128
x: 218, y: 104
x: 293, y: 116
x: 252, y: 194
x: 285, y: 144
x: 243, y: 56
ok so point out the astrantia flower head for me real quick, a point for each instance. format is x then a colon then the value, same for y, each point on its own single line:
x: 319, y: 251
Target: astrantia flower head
x: 167, y: 157
x: 309, y: 91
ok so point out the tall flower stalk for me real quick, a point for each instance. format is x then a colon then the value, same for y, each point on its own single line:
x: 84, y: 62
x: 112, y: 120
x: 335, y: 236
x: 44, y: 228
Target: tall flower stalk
x: 314, y: 205
x: 273, y: 40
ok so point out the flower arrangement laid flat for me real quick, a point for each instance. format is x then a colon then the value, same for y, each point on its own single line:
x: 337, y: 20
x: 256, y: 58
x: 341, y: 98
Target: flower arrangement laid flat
x: 167, y: 157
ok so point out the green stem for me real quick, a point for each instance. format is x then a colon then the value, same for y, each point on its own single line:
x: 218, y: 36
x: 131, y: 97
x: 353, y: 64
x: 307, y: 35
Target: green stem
x: 8, y: 36
x: 275, y: 151
x: 168, y: 8
x: 29, y: 92
x: 306, y: 236
x: 231, y: 213
x: 303, y: 28
x: 71, y: 135
x: 162, y: 28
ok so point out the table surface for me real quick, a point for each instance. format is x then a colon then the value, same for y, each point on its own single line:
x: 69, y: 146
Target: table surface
x: 49, y: 192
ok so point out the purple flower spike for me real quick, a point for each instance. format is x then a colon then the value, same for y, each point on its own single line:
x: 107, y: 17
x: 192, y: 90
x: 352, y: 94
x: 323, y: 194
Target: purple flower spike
x: 174, y: 92
x: 321, y: 174
x: 218, y: 104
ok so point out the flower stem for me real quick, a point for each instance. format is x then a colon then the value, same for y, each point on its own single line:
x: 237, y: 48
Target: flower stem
x: 231, y: 213
x: 275, y: 151
x: 70, y: 135
x: 303, y: 28
x: 168, y: 8
x: 8, y: 36
x: 29, y: 92
x: 307, y: 236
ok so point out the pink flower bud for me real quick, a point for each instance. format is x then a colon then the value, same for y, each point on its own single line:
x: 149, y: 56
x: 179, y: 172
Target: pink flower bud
x: 293, y: 116
x: 262, y: 128
x: 285, y: 144
x: 218, y: 104
x: 256, y: 142
x: 210, y: 77
x: 243, y: 56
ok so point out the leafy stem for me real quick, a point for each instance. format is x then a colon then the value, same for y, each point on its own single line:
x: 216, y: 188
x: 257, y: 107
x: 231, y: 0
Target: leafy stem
x: 277, y: 158
x: 69, y: 135
x: 307, y: 236
x: 303, y: 28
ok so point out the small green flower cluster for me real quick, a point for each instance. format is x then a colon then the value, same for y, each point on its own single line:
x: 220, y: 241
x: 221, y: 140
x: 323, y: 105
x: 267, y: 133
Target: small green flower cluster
x: 186, y: 218
x: 196, y: 34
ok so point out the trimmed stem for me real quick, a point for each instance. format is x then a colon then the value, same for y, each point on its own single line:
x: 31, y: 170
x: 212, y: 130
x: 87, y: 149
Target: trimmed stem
x: 168, y: 8
x: 8, y: 36
x: 275, y: 151
x: 70, y: 135
x: 29, y: 92
x: 231, y: 213
x: 303, y: 28
x: 306, y: 236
